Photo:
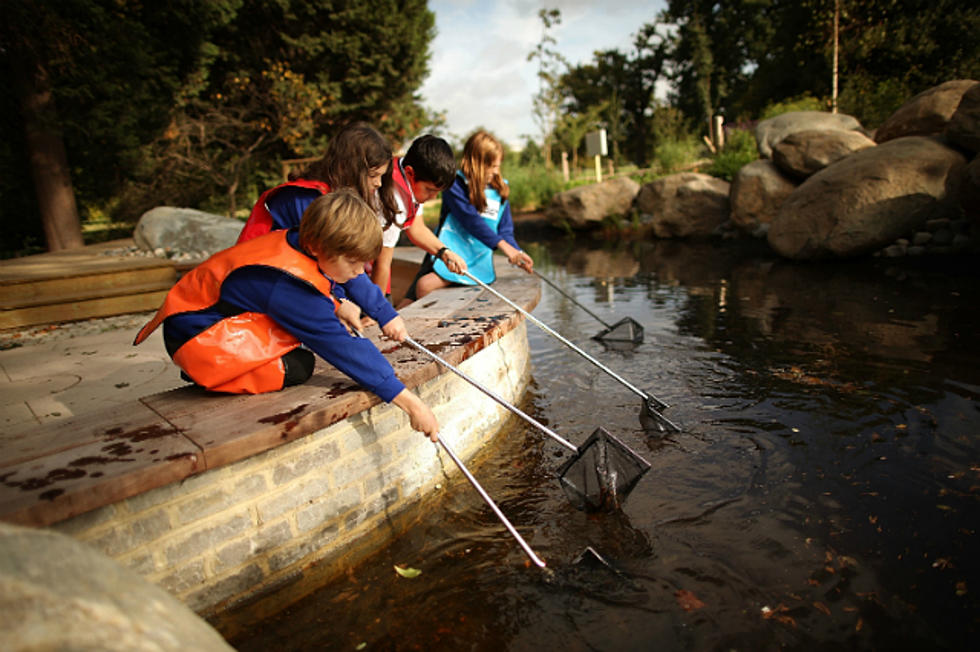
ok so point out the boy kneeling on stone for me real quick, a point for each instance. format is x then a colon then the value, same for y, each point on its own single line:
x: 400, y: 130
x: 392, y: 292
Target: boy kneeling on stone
x: 247, y: 319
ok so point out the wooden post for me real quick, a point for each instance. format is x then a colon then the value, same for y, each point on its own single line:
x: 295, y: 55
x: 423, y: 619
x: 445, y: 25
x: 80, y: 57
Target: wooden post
x: 564, y: 166
x: 718, y: 132
x: 598, y: 168
x: 833, y: 92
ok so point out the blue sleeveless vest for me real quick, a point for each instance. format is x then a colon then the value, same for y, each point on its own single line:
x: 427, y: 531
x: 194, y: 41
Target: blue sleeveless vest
x: 478, y: 257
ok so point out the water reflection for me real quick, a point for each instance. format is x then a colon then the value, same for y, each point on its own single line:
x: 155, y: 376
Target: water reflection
x: 823, y: 492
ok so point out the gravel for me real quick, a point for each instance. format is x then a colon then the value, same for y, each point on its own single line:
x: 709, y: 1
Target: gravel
x: 132, y: 322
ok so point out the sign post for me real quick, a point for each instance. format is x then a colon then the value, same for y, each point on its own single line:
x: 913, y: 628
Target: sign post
x: 595, y: 146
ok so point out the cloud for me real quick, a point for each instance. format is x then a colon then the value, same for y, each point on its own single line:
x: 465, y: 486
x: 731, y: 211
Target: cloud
x: 479, y: 73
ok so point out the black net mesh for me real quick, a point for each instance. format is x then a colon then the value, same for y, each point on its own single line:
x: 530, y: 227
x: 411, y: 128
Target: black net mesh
x: 653, y: 420
x: 602, y: 473
x: 627, y: 331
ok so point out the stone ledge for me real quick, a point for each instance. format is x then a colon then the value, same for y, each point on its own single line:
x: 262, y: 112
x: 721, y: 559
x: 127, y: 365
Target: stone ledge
x: 55, y: 472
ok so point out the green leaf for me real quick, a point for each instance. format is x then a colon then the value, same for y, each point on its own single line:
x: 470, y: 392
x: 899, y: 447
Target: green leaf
x: 409, y: 573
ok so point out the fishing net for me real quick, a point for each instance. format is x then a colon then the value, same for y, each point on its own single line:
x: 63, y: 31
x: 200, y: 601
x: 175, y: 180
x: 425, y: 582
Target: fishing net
x: 626, y: 331
x: 602, y: 473
x: 652, y: 420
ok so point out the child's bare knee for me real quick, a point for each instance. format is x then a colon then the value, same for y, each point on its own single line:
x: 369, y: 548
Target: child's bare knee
x: 428, y: 283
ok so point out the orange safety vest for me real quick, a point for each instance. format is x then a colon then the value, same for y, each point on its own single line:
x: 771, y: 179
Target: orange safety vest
x: 260, y: 219
x: 240, y: 354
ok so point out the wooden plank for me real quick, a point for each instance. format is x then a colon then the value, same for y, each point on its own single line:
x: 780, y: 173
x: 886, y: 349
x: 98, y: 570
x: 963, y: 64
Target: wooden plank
x: 31, y: 316
x: 85, y: 260
x: 74, y: 287
x: 123, y: 461
x: 228, y: 428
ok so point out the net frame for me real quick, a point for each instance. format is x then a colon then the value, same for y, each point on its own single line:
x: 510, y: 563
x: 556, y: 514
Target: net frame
x: 602, y: 473
x: 614, y: 334
x: 653, y: 421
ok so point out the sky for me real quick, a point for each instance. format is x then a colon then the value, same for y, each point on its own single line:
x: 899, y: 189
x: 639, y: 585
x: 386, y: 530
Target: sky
x: 479, y: 72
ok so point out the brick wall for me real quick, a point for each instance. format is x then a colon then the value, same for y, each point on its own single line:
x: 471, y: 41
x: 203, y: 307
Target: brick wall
x: 333, y: 497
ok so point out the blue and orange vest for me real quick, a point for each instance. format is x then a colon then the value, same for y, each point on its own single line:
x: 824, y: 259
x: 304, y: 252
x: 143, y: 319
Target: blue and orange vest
x: 240, y: 354
x: 260, y: 219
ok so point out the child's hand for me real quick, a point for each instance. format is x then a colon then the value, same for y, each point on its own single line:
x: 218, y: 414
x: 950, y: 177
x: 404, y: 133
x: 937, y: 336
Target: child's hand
x: 523, y: 261
x: 395, y: 329
x: 349, y: 314
x: 419, y: 414
x: 454, y: 262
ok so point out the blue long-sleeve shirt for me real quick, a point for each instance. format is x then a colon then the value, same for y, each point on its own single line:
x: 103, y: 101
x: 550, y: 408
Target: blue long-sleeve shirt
x: 287, y: 204
x: 456, y: 200
x: 307, y: 315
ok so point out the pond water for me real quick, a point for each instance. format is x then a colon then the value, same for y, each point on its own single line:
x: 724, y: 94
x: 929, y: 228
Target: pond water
x: 824, y: 492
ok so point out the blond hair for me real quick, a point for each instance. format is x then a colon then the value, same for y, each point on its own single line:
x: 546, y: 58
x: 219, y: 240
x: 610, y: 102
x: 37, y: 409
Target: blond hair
x: 479, y: 154
x: 341, y: 223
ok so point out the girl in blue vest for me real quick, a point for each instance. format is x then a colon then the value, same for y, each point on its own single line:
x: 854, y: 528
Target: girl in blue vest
x: 475, y: 220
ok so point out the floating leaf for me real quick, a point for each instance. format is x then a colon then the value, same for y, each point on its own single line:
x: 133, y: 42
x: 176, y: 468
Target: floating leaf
x: 779, y: 614
x: 361, y: 645
x: 687, y: 600
x: 408, y: 573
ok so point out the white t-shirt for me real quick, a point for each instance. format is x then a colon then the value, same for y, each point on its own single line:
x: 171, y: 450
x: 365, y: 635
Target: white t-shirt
x: 391, y: 234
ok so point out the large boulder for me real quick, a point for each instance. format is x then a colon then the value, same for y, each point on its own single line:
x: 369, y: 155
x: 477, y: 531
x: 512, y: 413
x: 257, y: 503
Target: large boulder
x: 686, y: 205
x: 185, y: 230
x: 59, y: 594
x: 772, y: 131
x: 963, y: 128
x: 757, y: 192
x: 867, y: 200
x: 927, y: 113
x: 593, y: 203
x: 803, y: 153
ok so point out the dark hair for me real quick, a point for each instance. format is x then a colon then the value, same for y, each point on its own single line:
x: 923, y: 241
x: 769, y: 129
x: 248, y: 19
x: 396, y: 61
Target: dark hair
x: 351, y: 154
x: 432, y: 159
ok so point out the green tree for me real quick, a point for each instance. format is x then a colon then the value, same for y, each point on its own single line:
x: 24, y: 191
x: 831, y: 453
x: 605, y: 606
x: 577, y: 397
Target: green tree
x: 893, y: 49
x: 287, y: 74
x: 741, y: 56
x: 179, y: 100
x: 618, y: 89
x: 93, y: 81
x: 551, y: 66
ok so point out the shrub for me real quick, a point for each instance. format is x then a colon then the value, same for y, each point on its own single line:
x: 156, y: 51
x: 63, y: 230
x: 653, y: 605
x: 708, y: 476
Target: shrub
x: 532, y: 186
x: 740, y: 148
x: 872, y: 102
x: 805, y: 102
x: 676, y: 153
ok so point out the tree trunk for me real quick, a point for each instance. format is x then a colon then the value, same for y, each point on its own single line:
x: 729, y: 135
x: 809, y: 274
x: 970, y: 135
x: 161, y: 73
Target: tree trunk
x: 48, y: 160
